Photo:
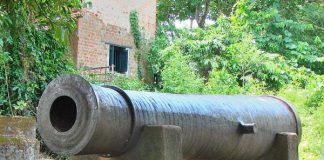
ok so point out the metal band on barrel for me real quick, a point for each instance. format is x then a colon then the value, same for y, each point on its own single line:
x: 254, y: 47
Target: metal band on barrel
x: 134, y: 127
x: 294, y: 112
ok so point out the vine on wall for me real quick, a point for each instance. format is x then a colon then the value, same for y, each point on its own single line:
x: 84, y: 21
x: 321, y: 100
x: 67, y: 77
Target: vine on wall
x: 137, y: 36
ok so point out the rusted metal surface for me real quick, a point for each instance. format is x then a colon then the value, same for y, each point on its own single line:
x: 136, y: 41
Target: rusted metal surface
x: 108, y: 120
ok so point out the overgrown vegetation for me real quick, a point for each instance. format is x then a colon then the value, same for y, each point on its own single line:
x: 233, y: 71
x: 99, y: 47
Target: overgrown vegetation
x: 254, y: 48
x: 33, y: 47
x: 138, y: 41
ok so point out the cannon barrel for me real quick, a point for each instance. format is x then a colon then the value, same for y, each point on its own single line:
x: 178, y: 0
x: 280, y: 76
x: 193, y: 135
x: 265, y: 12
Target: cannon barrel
x: 77, y: 118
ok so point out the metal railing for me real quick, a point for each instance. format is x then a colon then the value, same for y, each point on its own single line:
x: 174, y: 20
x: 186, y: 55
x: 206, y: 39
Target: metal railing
x: 99, y: 74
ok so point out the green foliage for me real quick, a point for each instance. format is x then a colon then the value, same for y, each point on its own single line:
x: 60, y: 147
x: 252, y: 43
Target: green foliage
x: 138, y: 41
x: 177, y: 75
x: 222, y: 82
x: 153, y: 56
x: 33, y: 50
x: 135, y: 28
x: 285, y: 28
x: 258, y: 47
x: 311, y: 147
x: 129, y: 83
x: 316, y: 99
x: 199, y: 10
x: 223, y: 48
x: 139, y: 69
x: 202, y: 46
x: 247, y: 62
x: 171, y: 10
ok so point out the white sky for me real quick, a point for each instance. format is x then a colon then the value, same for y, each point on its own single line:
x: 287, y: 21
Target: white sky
x: 186, y: 23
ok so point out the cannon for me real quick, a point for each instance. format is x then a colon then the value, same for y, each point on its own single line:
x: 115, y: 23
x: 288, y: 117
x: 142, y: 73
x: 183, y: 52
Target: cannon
x: 77, y: 118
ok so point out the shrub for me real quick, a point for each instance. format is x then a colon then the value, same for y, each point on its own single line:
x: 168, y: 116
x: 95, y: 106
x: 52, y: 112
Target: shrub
x: 289, y: 29
x: 221, y: 82
x: 177, y: 75
x: 153, y: 57
x: 129, y: 83
x: 316, y: 99
x: 245, y: 61
x: 33, y: 50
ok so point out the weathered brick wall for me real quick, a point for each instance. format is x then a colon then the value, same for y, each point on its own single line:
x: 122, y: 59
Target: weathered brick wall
x: 116, y: 12
x: 108, y: 23
x: 91, y: 50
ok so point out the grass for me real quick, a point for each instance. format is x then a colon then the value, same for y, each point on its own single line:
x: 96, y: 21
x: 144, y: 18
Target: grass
x: 312, y: 144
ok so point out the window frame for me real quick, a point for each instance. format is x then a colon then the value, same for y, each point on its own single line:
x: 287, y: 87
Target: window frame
x: 128, y: 49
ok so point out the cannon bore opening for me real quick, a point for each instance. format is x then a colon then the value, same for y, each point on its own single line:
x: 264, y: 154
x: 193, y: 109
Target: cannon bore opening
x: 63, y: 113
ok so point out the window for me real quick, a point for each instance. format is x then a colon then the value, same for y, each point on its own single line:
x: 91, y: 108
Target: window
x: 118, y: 59
x: 86, y: 4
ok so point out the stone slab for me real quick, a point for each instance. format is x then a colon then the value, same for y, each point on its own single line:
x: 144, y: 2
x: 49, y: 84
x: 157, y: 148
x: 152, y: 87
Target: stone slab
x: 163, y: 142
x: 285, y: 147
x: 18, y: 127
x: 18, y: 138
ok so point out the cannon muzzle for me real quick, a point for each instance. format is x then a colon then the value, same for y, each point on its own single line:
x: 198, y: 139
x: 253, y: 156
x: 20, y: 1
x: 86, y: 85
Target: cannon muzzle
x: 76, y: 117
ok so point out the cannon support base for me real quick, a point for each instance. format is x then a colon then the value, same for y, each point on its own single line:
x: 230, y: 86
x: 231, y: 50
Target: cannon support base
x: 156, y: 143
x: 164, y: 143
x: 284, y: 148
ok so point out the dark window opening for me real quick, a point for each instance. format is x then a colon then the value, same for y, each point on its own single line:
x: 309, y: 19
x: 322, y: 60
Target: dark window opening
x: 118, y: 58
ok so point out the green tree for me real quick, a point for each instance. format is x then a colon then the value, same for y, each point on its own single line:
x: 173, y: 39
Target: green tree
x: 198, y: 10
x: 286, y: 28
x: 177, y: 74
x: 153, y: 56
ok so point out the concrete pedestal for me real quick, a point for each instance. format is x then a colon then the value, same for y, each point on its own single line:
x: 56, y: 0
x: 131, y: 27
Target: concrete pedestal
x: 18, y: 138
x: 156, y: 143
x: 165, y: 143
x: 284, y: 148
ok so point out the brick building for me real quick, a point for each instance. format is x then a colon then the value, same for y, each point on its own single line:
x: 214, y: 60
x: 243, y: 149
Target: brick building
x: 103, y: 37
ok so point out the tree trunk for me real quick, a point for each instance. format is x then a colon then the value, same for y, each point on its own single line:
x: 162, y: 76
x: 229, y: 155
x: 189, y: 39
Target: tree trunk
x: 202, y: 13
x: 191, y: 22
